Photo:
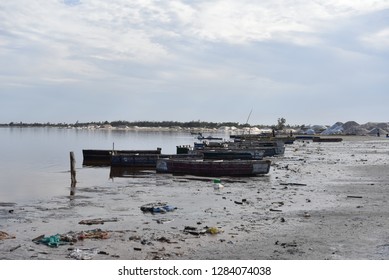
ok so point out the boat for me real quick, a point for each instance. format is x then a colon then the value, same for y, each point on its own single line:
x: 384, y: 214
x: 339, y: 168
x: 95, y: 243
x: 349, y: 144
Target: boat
x: 327, y: 139
x: 135, y: 160
x: 215, y: 168
x: 96, y: 157
x: 145, y: 161
x: 201, y: 137
x: 260, y: 137
x: 233, y: 154
x: 304, y: 137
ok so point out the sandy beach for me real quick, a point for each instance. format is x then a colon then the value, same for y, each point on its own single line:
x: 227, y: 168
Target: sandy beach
x: 320, y: 201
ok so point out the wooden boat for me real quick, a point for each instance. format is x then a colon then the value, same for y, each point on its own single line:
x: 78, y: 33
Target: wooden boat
x: 327, y: 139
x: 233, y: 154
x: 304, y: 137
x: 215, y: 168
x: 261, y: 137
x: 145, y: 161
x: 103, y: 157
x: 210, y: 137
x: 135, y: 160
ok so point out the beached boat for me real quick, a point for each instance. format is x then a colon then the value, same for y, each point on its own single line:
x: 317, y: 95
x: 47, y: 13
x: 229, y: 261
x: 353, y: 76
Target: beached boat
x: 327, y: 139
x: 215, y: 168
x: 103, y: 157
x: 304, y: 137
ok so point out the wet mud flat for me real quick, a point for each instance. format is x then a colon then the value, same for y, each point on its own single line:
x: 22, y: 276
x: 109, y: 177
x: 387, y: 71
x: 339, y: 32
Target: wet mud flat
x: 319, y: 201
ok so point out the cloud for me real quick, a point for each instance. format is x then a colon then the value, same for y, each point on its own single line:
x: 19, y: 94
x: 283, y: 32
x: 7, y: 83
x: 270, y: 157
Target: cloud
x: 378, y: 40
x: 198, y: 51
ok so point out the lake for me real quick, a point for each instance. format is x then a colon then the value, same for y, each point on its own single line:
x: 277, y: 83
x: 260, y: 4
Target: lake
x: 35, y: 161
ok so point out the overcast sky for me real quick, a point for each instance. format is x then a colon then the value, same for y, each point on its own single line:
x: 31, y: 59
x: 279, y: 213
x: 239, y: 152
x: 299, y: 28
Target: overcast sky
x: 310, y: 62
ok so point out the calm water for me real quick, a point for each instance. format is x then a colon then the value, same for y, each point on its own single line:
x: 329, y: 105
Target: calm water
x: 35, y: 161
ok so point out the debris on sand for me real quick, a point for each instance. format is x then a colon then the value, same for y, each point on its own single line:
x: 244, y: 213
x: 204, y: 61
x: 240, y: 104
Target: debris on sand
x: 97, y: 221
x: 4, y: 235
x: 83, y: 254
x: 201, y: 231
x: 157, y: 207
x: 70, y: 237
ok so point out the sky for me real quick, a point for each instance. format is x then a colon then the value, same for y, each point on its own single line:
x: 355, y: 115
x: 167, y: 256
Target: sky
x: 310, y: 62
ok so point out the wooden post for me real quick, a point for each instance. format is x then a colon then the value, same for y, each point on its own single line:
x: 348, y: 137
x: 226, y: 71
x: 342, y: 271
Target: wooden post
x: 73, y: 169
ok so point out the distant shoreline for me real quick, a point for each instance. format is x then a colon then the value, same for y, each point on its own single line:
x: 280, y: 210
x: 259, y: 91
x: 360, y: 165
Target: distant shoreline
x: 194, y: 127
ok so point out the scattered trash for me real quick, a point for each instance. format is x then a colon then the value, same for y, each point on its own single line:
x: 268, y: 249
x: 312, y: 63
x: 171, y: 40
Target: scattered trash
x: 83, y: 254
x: 292, y: 184
x: 51, y: 241
x: 213, y: 230
x: 164, y: 239
x: 157, y: 207
x: 134, y: 238
x: 93, y: 234
x: 217, y: 184
x: 280, y: 203
x: 15, y: 248
x: 163, y: 220
x: 97, y: 221
x: 286, y: 244
x: 70, y: 237
x: 196, y: 231
x: 4, y: 235
x: 243, y: 201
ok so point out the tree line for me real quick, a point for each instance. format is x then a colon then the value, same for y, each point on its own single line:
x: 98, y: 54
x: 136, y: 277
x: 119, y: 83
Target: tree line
x: 281, y: 124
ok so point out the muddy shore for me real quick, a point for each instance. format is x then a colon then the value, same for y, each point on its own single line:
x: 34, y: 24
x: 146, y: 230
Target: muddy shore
x: 319, y: 201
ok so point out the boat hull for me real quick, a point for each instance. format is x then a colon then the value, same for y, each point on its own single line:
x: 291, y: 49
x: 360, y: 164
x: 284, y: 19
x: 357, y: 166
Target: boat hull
x: 103, y: 157
x: 215, y: 168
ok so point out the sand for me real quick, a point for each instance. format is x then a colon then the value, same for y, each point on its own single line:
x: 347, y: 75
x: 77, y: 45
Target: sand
x: 320, y: 201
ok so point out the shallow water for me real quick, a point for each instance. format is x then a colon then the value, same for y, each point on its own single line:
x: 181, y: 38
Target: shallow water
x: 35, y: 162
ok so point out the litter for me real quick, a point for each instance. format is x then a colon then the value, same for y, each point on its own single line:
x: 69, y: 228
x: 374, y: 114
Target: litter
x: 213, y: 230
x: 83, y: 254
x: 51, y: 241
x: 4, y: 235
x: 97, y: 221
x: 158, y: 207
x: 217, y: 184
x: 70, y: 237
x: 196, y: 231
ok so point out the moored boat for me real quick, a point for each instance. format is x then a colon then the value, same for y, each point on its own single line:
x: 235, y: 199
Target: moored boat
x: 214, y: 168
x: 103, y: 157
x: 233, y: 154
x: 135, y: 160
x: 327, y: 139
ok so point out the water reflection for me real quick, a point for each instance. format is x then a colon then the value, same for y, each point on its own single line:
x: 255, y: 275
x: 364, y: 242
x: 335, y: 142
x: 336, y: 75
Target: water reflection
x: 120, y: 172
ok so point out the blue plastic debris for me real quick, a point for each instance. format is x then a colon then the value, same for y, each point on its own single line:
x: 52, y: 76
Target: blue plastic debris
x: 157, y: 207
